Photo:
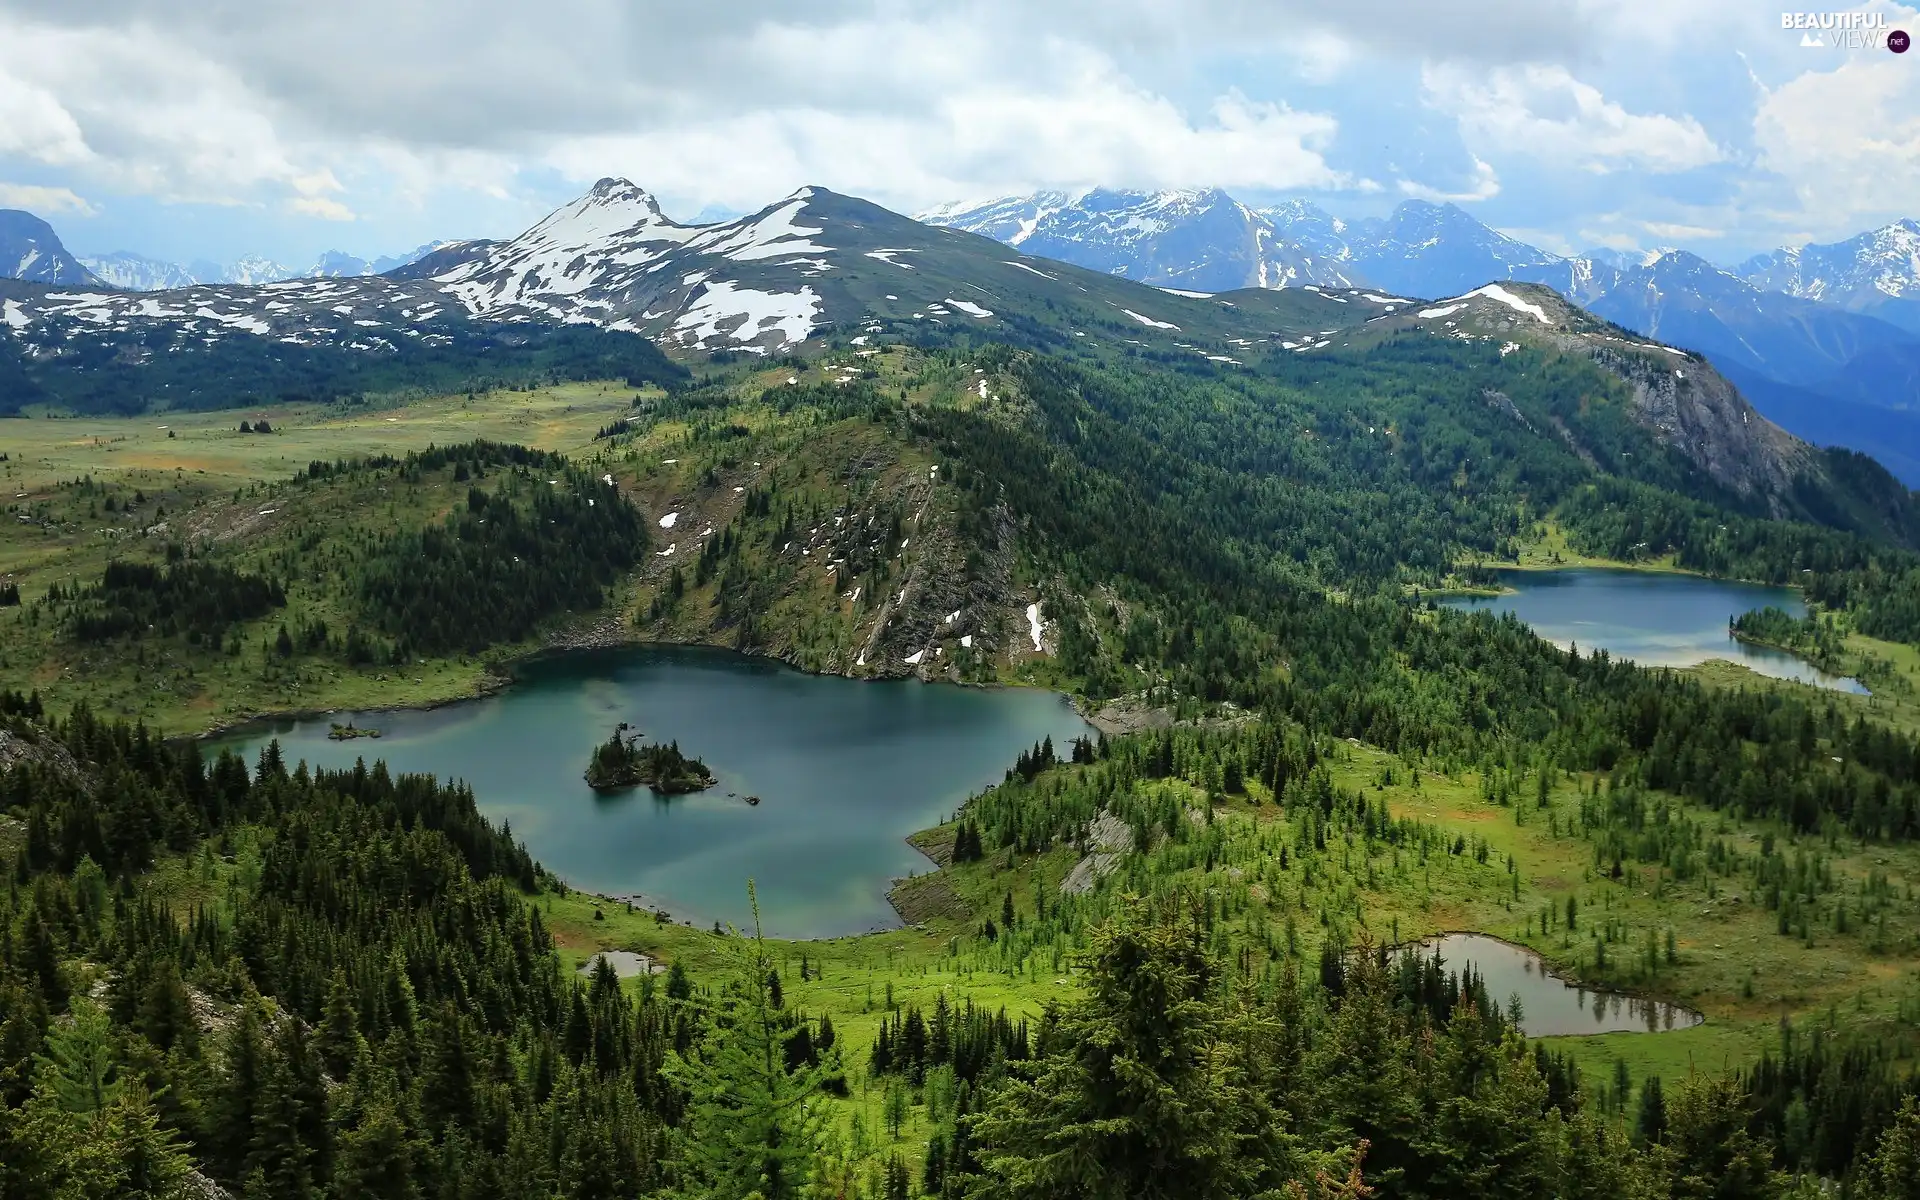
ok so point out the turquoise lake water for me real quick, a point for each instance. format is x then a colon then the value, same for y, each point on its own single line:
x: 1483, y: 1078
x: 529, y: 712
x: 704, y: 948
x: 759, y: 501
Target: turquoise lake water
x: 1653, y: 618
x: 845, y: 770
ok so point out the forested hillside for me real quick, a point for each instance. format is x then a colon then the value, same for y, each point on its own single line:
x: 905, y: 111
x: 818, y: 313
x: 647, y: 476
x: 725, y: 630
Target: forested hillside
x: 1169, y: 963
x: 129, y: 372
x: 341, y: 984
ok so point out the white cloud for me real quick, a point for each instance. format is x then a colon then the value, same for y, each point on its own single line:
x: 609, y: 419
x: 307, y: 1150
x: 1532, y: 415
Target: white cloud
x: 482, y: 112
x: 142, y: 112
x: 908, y: 106
x: 34, y: 124
x: 1847, y: 141
x: 42, y: 200
x: 1093, y: 126
x: 1544, y: 112
x: 324, y: 207
x: 1673, y: 232
x: 1485, y: 186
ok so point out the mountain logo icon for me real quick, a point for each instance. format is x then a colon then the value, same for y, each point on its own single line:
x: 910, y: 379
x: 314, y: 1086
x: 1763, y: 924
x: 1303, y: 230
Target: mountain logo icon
x: 1810, y: 39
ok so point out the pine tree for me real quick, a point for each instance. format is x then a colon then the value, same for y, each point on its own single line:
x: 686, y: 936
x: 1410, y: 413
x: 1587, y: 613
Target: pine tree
x: 376, y: 1158
x: 149, y: 1163
x: 1650, y: 1123
x: 898, y: 1184
x: 78, y: 1068
x: 1708, y: 1152
x: 1893, y: 1173
x: 241, y: 1089
x: 338, y: 1039
x: 753, y: 1127
x: 1364, y: 1087
x: 1145, y: 1091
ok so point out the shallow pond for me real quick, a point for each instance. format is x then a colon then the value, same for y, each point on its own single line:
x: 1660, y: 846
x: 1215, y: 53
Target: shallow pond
x: 1549, y: 1005
x: 1654, y: 618
x: 845, y: 770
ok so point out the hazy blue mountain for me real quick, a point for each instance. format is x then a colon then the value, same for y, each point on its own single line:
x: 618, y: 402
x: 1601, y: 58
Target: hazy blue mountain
x: 1434, y: 250
x: 31, y: 250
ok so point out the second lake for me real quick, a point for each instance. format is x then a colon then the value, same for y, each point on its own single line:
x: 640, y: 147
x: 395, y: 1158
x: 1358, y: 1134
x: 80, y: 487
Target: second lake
x: 1549, y: 1005
x: 1657, y: 619
x: 845, y: 771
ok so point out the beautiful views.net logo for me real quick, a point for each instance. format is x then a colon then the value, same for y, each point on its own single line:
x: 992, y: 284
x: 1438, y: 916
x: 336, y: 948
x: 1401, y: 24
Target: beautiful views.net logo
x: 1846, y: 31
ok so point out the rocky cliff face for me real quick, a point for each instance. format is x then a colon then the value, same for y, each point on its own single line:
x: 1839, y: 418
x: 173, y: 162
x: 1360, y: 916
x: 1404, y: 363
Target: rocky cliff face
x: 1690, y: 406
x: 1678, y: 397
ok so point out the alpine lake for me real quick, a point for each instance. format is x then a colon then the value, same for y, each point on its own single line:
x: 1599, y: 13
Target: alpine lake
x: 1550, y: 1006
x: 843, y: 771
x: 1655, y: 618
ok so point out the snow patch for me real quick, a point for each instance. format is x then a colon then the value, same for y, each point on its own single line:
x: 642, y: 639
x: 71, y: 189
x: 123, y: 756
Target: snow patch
x: 1431, y: 313
x: 792, y: 315
x: 772, y: 236
x: 913, y: 660
x: 969, y: 308
x: 1029, y: 270
x: 1150, y: 321
x: 1033, y: 625
x: 1494, y: 291
x: 667, y: 522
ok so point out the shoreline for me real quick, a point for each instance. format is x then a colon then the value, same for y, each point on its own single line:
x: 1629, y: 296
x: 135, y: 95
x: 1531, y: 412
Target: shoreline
x: 494, y: 681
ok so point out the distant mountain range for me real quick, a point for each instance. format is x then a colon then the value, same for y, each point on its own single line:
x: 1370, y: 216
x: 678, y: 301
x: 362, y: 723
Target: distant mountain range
x: 822, y: 265
x: 1825, y: 338
x: 137, y: 273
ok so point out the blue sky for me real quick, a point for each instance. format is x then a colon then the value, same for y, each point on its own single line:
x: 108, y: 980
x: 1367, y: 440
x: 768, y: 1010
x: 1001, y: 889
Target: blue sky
x: 209, y: 129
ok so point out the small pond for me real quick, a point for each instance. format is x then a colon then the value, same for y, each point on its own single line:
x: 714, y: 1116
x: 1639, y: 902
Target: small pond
x: 1549, y: 1005
x: 844, y: 770
x: 1655, y: 618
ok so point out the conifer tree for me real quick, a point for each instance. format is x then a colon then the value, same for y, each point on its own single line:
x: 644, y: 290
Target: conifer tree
x: 753, y: 1127
x: 1708, y: 1153
x: 1894, y: 1170
x: 78, y: 1069
x: 338, y: 1039
x: 1145, y: 1091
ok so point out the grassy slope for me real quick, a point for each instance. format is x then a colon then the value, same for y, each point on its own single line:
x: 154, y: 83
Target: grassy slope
x: 209, y: 480
x: 1732, y: 965
x: 237, y: 492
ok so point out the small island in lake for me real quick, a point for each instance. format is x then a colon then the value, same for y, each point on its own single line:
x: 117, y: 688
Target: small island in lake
x: 623, y: 762
x: 349, y: 731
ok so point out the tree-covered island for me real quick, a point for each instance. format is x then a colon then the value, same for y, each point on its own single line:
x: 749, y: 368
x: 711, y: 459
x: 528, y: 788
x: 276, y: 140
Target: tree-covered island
x: 623, y: 762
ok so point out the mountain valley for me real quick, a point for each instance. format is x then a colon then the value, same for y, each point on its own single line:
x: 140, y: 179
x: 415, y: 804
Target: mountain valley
x: 826, y: 434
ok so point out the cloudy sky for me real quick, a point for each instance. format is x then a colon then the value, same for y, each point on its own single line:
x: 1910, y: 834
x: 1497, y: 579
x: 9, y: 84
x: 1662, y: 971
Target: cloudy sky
x: 208, y: 129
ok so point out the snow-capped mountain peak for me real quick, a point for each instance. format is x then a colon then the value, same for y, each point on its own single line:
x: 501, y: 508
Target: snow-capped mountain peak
x: 1876, y: 272
x: 1197, y: 239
